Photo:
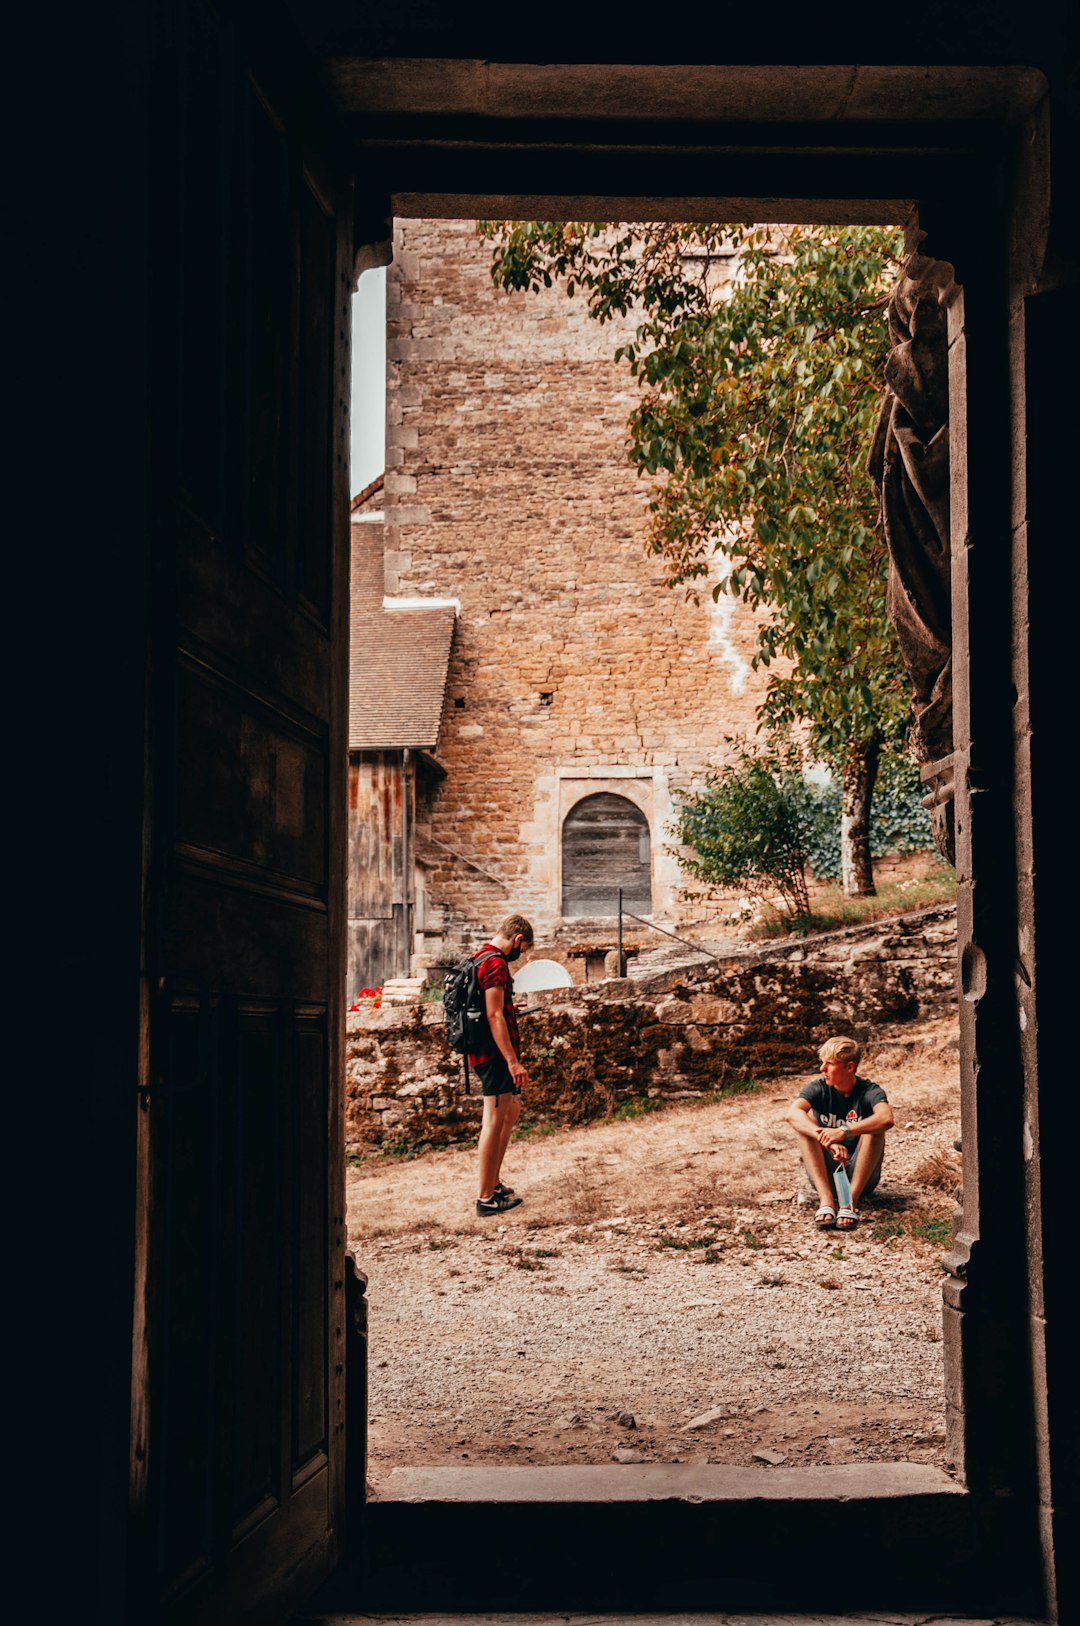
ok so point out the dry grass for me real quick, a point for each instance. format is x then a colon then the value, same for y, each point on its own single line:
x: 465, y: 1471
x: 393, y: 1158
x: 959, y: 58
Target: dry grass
x: 941, y: 1171
x: 829, y: 908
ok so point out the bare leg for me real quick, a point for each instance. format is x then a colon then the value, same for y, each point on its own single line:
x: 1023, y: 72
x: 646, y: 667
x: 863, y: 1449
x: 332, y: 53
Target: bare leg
x: 871, y: 1150
x: 501, y: 1113
x: 509, y: 1113
x: 813, y: 1156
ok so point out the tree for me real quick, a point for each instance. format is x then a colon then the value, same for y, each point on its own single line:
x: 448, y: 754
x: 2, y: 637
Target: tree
x: 754, y: 422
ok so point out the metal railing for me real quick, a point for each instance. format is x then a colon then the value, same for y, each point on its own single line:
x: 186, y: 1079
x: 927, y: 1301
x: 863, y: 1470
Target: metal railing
x: 620, y: 961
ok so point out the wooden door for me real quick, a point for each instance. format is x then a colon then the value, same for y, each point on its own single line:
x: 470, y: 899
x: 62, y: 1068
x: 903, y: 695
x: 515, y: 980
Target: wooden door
x: 605, y: 847
x: 238, y: 1392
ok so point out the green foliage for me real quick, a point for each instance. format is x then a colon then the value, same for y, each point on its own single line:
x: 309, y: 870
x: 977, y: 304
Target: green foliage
x: 636, y: 1106
x: 402, y: 1146
x: 899, y: 823
x: 739, y: 1086
x: 937, y: 1231
x: 753, y: 428
x: 748, y: 826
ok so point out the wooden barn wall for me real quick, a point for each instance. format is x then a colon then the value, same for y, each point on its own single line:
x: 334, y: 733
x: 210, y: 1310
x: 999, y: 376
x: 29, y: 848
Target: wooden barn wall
x: 378, y: 944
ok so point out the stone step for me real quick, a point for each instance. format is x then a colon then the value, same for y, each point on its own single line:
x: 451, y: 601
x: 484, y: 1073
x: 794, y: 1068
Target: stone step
x: 402, y: 990
x: 708, y: 1533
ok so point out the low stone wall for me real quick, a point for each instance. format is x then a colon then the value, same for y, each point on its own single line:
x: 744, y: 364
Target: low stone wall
x: 759, y: 1014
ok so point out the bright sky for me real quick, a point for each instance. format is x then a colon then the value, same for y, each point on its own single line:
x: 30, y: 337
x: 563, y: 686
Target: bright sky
x: 368, y: 380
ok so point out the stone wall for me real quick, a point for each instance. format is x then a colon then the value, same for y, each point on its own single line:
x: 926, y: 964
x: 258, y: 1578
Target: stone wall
x: 575, y: 669
x: 673, y: 1035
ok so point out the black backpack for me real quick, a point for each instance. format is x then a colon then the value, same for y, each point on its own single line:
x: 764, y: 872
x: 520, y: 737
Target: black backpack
x: 464, y: 1008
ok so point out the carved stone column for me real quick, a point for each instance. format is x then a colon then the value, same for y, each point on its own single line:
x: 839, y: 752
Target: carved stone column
x: 972, y: 786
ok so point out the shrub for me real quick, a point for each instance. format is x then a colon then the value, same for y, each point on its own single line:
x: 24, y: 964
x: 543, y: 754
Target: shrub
x: 748, y: 827
x: 759, y: 823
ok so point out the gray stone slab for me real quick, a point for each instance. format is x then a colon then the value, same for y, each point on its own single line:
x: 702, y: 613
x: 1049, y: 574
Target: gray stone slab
x: 878, y: 1618
x: 656, y: 1481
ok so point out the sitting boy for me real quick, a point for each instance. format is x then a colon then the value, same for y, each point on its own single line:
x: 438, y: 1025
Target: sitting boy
x: 841, y: 1120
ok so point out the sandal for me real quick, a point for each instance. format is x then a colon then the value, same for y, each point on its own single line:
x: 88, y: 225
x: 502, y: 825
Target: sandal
x: 846, y: 1219
x: 825, y: 1218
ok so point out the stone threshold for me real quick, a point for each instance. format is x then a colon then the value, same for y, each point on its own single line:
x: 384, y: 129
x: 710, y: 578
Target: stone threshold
x: 655, y: 1538
x: 659, y: 1481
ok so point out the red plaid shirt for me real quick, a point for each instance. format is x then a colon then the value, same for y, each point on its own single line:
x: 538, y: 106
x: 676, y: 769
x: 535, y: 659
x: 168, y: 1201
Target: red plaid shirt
x: 492, y: 971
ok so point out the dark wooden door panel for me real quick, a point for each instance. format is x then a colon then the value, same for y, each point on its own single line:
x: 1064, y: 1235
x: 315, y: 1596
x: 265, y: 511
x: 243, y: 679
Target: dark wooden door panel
x: 310, y: 1441
x: 241, y: 1364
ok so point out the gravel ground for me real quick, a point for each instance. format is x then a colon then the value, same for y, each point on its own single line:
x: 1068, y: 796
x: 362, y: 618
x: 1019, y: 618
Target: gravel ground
x: 661, y: 1294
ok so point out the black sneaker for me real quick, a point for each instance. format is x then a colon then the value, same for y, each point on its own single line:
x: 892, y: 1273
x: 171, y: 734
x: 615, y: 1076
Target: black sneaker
x: 503, y: 1191
x: 496, y: 1204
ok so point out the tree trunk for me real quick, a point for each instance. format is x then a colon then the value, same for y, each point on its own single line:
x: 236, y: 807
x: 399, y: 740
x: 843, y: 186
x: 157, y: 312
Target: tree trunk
x: 860, y: 772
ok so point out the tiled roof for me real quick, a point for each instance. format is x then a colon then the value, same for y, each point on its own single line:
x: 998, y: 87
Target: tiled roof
x: 370, y: 490
x: 398, y: 661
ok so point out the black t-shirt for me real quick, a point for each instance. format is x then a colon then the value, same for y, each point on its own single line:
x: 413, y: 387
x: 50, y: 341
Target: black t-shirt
x: 833, y: 1110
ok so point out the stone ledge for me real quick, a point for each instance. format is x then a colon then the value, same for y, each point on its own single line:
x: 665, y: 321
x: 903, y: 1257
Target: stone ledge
x: 661, y: 1481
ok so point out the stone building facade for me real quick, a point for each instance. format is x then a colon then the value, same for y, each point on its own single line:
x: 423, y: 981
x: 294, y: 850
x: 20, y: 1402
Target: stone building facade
x: 576, y: 672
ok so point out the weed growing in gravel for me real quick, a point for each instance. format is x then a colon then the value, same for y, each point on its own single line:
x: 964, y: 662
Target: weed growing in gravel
x: 938, y: 1231
x: 933, y: 1230
x: 529, y: 1258
x: 684, y: 1244
x: 751, y: 1240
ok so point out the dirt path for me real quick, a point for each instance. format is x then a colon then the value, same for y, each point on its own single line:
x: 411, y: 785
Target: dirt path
x: 660, y: 1291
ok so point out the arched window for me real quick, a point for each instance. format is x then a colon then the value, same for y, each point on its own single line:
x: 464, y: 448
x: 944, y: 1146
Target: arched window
x: 605, y: 846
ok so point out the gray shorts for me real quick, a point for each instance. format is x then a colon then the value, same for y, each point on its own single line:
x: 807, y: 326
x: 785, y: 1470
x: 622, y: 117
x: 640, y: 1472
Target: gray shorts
x: 853, y: 1148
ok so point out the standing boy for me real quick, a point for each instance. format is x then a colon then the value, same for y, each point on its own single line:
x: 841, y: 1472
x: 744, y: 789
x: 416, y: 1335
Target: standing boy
x: 498, y: 1064
x: 841, y: 1120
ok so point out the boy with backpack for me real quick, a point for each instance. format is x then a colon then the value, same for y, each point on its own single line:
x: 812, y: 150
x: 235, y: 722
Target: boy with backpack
x: 494, y: 1053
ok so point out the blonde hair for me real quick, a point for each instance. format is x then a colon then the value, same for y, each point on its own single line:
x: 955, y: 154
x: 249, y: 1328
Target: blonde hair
x: 515, y: 924
x: 840, y: 1049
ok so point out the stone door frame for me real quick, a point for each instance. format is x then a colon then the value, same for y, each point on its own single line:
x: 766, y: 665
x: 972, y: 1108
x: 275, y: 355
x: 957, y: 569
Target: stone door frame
x: 974, y: 196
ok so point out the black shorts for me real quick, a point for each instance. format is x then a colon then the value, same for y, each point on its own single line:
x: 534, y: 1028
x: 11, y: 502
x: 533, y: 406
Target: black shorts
x: 494, y: 1076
